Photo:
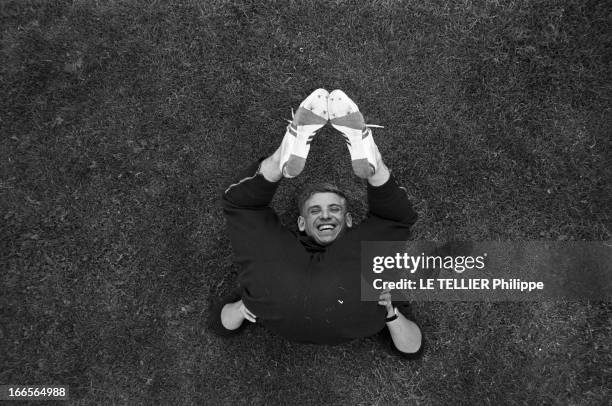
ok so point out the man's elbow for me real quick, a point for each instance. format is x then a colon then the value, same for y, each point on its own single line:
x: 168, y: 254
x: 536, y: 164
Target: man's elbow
x: 412, y: 346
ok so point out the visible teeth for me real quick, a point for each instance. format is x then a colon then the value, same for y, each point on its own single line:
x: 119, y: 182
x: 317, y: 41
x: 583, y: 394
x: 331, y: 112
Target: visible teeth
x: 326, y: 227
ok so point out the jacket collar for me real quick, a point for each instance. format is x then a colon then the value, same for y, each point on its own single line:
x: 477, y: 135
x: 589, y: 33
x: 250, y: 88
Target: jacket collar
x: 310, y: 244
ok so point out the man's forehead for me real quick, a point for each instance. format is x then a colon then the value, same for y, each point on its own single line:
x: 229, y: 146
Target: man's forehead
x: 325, y: 199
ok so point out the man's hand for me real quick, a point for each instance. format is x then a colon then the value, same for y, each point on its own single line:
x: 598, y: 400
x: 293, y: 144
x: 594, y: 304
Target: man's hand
x: 246, y: 313
x: 385, y: 300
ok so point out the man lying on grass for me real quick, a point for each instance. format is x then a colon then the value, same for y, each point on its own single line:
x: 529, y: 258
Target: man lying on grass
x: 306, y: 287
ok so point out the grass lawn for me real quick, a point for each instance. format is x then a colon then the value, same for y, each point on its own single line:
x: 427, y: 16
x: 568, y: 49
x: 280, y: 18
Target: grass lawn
x: 121, y: 122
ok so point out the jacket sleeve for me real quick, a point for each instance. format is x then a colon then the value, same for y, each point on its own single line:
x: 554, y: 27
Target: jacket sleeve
x: 251, y: 223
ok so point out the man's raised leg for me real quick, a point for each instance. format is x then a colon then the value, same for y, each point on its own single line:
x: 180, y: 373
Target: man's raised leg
x: 365, y: 157
x: 385, y: 199
x: 234, y: 312
x: 345, y: 117
x: 309, y: 118
x: 287, y: 161
x: 270, y: 167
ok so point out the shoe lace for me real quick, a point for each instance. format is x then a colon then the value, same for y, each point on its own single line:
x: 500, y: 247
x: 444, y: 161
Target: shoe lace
x: 292, y: 116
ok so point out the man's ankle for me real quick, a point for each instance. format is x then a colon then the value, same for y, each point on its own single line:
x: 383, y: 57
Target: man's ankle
x: 381, y: 176
x: 270, y: 168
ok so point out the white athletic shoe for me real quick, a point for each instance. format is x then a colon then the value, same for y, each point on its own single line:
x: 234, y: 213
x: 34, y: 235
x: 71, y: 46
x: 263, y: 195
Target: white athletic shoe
x: 310, y: 116
x: 345, y: 117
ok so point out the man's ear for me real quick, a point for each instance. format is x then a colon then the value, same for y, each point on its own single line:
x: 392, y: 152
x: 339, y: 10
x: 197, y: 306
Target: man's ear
x: 301, y: 223
x: 349, y: 220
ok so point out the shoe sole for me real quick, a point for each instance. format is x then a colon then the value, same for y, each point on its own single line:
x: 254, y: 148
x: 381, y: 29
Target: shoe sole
x: 346, y: 115
x: 308, y: 114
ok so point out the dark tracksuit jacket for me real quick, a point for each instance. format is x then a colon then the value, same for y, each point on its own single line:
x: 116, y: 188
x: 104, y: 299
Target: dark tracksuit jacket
x: 297, y: 288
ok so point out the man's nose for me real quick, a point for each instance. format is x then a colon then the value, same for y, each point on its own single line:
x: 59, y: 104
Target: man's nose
x: 325, y: 214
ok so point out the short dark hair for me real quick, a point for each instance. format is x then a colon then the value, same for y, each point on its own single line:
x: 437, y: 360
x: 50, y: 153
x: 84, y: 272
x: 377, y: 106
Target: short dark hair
x: 309, y: 190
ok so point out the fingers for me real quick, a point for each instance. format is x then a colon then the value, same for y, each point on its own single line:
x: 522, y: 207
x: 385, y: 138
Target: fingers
x: 247, y: 314
x: 385, y: 294
x: 385, y: 298
x: 385, y: 302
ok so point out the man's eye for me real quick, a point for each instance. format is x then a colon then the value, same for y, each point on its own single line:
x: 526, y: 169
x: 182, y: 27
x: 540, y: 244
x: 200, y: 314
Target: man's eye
x: 335, y: 209
x: 314, y: 211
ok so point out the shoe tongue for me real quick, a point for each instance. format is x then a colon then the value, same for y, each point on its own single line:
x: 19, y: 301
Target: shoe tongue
x: 352, y: 120
x: 306, y: 117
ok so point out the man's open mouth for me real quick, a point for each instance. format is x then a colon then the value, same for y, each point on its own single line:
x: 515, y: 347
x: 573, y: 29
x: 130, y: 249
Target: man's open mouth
x: 326, y: 227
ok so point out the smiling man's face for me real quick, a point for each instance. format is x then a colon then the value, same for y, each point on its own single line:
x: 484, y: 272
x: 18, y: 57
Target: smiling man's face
x: 324, y: 217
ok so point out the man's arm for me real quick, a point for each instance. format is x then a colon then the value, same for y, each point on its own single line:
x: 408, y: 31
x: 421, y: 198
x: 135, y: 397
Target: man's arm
x: 406, y: 335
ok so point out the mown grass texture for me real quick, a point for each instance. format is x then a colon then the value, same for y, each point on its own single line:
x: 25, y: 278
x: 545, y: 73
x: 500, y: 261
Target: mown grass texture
x: 122, y: 122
